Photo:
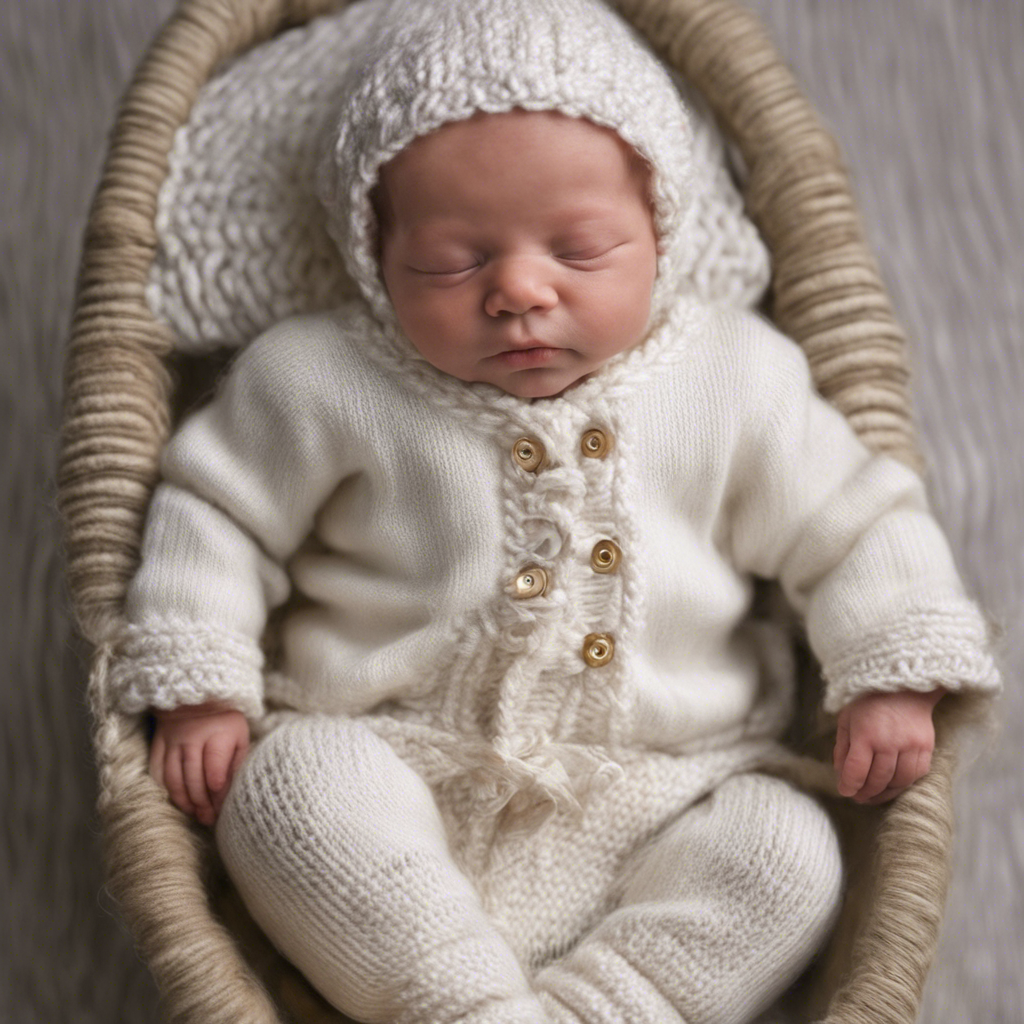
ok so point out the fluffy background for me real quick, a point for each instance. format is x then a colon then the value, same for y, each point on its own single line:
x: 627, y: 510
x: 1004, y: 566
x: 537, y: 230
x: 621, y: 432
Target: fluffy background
x: 925, y: 97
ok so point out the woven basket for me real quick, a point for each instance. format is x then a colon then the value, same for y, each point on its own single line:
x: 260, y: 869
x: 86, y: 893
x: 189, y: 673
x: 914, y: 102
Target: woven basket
x: 826, y: 293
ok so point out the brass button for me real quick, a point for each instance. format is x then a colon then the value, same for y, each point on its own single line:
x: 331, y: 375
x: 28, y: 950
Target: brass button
x: 532, y: 582
x: 598, y: 649
x: 596, y: 444
x: 605, y: 557
x: 528, y: 453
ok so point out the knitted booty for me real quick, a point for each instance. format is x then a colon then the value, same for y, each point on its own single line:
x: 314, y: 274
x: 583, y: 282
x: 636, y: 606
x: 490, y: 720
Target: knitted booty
x: 338, y: 851
x: 720, y: 915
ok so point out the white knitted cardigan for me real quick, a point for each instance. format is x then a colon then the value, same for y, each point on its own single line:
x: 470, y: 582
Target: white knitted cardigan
x: 722, y: 463
x: 409, y: 512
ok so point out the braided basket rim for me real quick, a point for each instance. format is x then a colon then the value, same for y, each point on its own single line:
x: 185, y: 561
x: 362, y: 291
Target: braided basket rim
x: 827, y: 293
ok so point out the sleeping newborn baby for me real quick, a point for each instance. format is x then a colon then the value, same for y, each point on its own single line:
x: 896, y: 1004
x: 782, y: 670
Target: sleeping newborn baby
x: 514, y: 764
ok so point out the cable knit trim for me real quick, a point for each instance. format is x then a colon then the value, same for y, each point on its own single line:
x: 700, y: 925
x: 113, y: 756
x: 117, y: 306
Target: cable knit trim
x: 928, y: 647
x: 166, y: 663
x: 490, y: 410
x: 633, y: 587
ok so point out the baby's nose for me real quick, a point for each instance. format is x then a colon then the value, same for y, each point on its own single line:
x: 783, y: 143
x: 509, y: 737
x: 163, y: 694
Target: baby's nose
x: 519, y: 285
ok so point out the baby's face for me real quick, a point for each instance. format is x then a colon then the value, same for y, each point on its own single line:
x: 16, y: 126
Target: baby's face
x: 518, y: 249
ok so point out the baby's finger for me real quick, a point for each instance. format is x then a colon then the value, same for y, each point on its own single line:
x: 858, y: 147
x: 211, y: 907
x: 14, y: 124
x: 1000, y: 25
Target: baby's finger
x: 879, y: 777
x: 195, y: 783
x: 216, y: 763
x: 907, y: 771
x: 174, y: 780
x: 842, y: 747
x: 236, y: 762
x: 922, y: 762
x: 855, y: 769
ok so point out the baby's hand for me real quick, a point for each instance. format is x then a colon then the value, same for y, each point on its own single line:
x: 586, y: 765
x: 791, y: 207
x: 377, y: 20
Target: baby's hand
x: 884, y: 742
x: 196, y: 751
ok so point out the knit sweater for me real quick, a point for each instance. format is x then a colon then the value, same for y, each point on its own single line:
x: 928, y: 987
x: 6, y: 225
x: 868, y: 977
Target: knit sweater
x: 560, y: 577
x: 572, y: 568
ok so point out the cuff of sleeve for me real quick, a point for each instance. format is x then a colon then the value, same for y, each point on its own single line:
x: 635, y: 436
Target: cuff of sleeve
x: 165, y: 664
x: 925, y: 649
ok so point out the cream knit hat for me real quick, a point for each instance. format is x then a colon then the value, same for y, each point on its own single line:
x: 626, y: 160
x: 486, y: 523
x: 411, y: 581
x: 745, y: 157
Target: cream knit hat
x: 429, y: 62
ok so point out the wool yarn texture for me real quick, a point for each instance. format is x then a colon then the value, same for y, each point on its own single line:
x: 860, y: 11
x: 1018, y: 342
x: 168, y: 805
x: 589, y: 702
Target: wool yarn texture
x: 429, y: 64
x: 632, y: 913
x: 732, y: 387
x: 405, y: 507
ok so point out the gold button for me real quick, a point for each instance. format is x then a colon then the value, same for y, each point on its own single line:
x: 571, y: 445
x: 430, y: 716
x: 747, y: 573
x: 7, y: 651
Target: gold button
x: 532, y: 582
x: 528, y: 454
x: 598, y: 649
x: 605, y: 557
x: 596, y: 444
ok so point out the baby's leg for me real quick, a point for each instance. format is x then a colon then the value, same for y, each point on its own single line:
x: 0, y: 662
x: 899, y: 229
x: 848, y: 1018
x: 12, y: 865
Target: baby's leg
x: 719, y: 917
x: 338, y: 850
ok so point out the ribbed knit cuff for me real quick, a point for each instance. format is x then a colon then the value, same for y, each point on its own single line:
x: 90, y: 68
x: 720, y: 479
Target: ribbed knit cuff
x: 925, y: 649
x: 167, y: 663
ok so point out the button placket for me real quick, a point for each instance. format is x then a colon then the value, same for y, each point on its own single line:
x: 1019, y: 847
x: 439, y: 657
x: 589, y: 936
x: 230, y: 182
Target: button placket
x: 597, y: 649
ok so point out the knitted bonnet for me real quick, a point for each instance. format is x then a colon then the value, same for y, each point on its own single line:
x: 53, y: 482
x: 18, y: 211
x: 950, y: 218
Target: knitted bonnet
x: 430, y: 62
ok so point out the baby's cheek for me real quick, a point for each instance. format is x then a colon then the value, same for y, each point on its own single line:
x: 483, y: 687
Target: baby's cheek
x: 417, y: 313
x: 634, y: 305
x: 443, y: 331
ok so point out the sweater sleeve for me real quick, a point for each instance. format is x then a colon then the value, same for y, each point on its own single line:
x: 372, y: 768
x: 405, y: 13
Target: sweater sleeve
x: 850, y: 538
x: 241, y: 482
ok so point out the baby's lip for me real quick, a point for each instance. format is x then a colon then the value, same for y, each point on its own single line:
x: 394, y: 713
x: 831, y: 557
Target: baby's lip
x: 526, y: 355
x: 522, y: 346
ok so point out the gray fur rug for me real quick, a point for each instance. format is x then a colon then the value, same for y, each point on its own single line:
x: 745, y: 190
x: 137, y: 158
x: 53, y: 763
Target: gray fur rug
x: 926, y: 98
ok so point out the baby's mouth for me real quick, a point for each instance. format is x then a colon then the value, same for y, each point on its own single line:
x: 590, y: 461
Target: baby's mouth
x: 529, y: 355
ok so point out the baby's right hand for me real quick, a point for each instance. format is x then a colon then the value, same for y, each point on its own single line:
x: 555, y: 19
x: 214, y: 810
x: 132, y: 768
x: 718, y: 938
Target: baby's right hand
x: 196, y: 751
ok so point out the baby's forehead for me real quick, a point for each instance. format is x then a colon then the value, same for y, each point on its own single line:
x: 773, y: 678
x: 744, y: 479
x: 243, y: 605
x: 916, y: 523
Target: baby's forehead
x: 521, y: 133
x: 540, y: 154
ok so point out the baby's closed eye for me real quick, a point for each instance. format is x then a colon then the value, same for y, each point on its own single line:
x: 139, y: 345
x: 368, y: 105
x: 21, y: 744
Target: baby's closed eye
x: 595, y: 253
x: 442, y: 263
x: 452, y: 271
x: 584, y: 257
x: 434, y: 257
x: 585, y: 248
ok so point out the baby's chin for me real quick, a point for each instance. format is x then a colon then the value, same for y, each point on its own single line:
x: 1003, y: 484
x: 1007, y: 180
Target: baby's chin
x: 540, y: 385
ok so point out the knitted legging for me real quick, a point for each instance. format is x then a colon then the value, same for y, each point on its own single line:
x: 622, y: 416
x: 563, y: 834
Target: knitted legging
x: 339, y: 851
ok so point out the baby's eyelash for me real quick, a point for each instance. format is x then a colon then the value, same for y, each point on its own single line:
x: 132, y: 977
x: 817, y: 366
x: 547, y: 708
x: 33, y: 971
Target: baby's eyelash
x: 588, y: 255
x: 444, y: 273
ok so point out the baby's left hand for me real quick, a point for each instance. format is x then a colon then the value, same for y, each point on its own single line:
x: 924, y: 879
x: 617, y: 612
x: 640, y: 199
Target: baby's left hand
x: 884, y: 742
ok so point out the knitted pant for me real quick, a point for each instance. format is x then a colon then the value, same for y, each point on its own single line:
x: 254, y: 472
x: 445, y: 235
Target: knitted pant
x: 340, y: 853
